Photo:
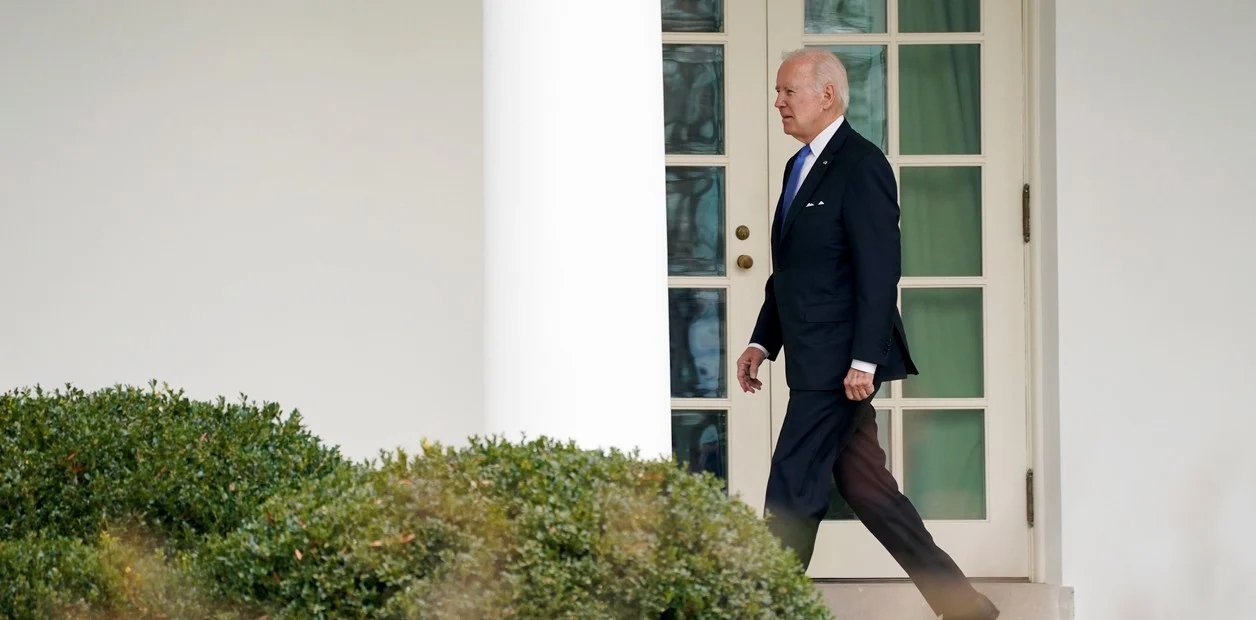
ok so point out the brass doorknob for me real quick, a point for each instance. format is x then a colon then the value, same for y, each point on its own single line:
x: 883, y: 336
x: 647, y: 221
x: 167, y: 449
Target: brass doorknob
x: 745, y: 262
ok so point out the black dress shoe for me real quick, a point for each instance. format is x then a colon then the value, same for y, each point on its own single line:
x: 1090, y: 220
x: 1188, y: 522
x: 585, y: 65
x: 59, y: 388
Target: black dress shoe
x: 982, y: 609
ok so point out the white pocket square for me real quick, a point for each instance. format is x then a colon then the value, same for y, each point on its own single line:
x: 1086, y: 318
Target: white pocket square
x: 814, y: 204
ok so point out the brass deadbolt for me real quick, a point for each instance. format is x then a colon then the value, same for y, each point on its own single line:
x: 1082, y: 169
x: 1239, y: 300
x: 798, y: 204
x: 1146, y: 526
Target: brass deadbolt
x: 745, y: 262
x: 743, y: 233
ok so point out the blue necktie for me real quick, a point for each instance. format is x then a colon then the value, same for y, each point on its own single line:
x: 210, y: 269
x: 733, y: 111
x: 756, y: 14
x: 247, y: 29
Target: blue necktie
x: 795, y: 179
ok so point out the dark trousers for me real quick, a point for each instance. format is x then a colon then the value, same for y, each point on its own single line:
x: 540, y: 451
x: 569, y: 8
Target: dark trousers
x: 826, y: 437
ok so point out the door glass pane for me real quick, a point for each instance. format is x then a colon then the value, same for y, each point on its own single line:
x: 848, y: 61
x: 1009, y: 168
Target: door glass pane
x: 839, y: 509
x: 693, y: 99
x: 865, y: 71
x: 700, y: 442
x: 940, y: 99
x: 944, y: 457
x: 693, y: 15
x: 844, y: 16
x: 695, y: 221
x: 939, y: 15
x: 945, y: 337
x: 941, y: 221
x: 697, y: 324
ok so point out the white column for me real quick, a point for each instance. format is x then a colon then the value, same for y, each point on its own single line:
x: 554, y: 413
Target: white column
x: 576, y: 337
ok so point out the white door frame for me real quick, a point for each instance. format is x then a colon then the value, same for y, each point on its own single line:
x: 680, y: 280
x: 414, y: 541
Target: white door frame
x: 1042, y: 291
x: 1041, y: 331
x: 1011, y: 450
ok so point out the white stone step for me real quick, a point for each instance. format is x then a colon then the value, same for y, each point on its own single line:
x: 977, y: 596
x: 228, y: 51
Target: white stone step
x: 901, y: 600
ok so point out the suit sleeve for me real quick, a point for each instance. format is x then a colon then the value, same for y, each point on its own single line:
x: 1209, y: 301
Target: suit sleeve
x: 767, y: 329
x: 870, y: 215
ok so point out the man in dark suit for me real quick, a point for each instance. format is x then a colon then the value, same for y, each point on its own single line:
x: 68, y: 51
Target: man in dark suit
x: 831, y: 303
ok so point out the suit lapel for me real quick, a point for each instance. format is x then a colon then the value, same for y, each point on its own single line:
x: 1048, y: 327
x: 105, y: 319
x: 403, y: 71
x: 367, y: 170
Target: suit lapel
x: 818, y: 170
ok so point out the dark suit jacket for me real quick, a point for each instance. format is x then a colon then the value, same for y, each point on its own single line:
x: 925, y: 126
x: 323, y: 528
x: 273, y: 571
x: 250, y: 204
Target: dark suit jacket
x: 832, y: 296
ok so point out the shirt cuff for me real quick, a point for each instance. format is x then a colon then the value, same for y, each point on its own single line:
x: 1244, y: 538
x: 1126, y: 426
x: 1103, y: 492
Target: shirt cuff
x: 864, y: 366
x: 759, y: 347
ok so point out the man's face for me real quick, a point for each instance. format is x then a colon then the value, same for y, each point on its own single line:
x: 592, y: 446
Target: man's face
x: 804, y: 112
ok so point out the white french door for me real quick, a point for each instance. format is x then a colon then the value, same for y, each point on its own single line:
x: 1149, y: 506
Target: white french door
x: 714, y: 58
x: 938, y: 86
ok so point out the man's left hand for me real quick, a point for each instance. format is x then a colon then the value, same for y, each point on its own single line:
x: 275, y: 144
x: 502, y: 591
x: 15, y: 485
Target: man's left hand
x: 858, y: 385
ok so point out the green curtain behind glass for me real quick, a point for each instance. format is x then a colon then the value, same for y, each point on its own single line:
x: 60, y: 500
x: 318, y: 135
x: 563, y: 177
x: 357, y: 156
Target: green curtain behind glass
x: 939, y: 15
x: 941, y: 220
x: 940, y: 114
x: 944, y: 332
x: 939, y: 85
x: 944, y: 453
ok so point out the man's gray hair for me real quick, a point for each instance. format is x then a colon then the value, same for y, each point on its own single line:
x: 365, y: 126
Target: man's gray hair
x: 826, y: 68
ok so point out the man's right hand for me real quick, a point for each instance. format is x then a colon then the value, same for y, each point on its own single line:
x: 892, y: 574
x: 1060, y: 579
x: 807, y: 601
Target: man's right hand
x: 748, y: 370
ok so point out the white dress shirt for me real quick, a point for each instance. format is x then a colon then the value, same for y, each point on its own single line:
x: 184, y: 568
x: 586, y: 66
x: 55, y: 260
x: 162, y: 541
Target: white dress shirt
x: 817, y: 146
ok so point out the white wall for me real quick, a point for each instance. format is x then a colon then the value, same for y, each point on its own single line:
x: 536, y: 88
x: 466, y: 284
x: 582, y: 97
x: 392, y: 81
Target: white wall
x: 1157, y: 310
x: 284, y: 199
x: 276, y: 198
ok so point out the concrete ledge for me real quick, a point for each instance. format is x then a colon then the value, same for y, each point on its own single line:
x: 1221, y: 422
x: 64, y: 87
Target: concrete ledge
x: 901, y: 601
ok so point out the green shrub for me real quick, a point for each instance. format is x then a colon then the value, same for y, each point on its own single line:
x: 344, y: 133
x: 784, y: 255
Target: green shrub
x: 76, y: 463
x: 131, y: 503
x: 111, y: 578
x: 496, y: 530
x: 40, y: 575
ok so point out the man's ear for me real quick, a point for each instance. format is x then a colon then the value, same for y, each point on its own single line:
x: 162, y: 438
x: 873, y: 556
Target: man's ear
x: 830, y: 96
